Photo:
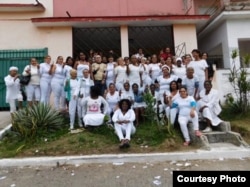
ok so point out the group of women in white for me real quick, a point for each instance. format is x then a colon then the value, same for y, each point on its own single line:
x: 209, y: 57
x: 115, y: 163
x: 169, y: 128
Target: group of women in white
x: 177, y: 86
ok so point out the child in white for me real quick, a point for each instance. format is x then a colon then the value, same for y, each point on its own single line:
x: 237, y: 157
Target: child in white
x: 70, y: 88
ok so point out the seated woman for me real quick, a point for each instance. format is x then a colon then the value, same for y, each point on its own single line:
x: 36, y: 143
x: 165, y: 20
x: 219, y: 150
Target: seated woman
x: 171, y: 113
x: 139, y: 104
x: 93, y: 113
x: 123, y: 119
x: 112, y: 97
x: 208, y: 106
x: 187, y: 112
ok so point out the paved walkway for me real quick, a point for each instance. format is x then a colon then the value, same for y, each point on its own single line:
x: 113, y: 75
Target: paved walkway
x: 5, y: 119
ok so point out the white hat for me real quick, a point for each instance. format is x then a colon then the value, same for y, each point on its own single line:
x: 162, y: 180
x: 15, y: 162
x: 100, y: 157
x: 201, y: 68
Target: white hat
x: 179, y: 58
x: 165, y: 66
x: 13, y: 68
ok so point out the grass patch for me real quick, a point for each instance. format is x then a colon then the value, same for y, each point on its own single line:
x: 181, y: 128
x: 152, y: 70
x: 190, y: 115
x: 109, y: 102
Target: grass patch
x: 102, y: 140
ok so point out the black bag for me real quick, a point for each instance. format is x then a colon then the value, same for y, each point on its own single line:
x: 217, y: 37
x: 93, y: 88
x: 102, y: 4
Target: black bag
x: 23, y: 92
x: 24, y: 80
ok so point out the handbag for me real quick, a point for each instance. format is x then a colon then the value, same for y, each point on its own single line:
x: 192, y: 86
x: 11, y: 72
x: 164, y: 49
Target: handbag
x: 24, y: 80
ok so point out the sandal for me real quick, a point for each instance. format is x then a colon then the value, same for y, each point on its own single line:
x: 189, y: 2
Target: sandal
x: 122, y: 144
x: 186, y: 143
x: 197, y: 133
x: 126, y: 143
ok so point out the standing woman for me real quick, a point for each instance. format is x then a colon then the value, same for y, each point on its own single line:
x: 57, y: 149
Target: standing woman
x: 134, y: 72
x: 123, y: 119
x: 200, y: 68
x: 187, y: 112
x: 120, y: 74
x: 69, y: 64
x: 154, y: 68
x: 163, y: 81
x: 81, y: 64
x: 110, y: 76
x: 33, y: 88
x: 145, y: 72
x: 45, y: 80
x: 12, y: 83
x: 57, y: 83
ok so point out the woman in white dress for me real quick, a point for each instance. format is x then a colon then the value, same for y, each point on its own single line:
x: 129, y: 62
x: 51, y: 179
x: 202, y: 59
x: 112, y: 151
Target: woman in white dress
x: 110, y: 76
x: 70, y: 89
x: 144, y: 70
x: 134, y: 72
x: 163, y: 81
x: 45, y: 80
x: 139, y: 104
x: 200, y: 68
x: 83, y: 91
x: 154, y: 68
x: 123, y: 119
x: 12, y: 83
x: 93, y: 115
x: 126, y: 92
x: 81, y: 64
x: 57, y: 83
x: 187, y: 112
x: 33, y: 88
x: 120, y: 74
x: 112, y: 97
x: 171, y: 95
x: 209, y: 106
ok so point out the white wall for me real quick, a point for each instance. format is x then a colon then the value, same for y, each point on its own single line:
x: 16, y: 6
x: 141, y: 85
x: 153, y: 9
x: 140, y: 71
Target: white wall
x: 187, y: 34
x: 24, y: 35
x: 214, y: 38
x: 18, y: 32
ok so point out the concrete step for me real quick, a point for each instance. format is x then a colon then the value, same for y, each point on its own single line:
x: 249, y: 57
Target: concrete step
x: 220, y: 134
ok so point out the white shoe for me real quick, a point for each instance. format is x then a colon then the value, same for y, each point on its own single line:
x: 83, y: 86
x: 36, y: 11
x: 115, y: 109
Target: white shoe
x: 207, y: 129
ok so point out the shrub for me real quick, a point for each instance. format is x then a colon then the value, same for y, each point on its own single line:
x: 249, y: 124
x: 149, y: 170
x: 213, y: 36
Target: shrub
x: 37, y: 120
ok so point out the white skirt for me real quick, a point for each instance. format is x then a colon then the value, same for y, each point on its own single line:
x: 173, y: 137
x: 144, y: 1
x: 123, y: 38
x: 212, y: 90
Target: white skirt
x: 93, y: 119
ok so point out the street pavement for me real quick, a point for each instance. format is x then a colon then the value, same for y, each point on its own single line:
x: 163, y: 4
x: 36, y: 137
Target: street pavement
x: 5, y: 119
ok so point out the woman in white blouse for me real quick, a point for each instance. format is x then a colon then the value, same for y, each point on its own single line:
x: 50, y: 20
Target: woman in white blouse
x: 123, y: 119
x: 57, y: 83
x: 45, y: 80
x: 33, y: 88
x: 120, y: 74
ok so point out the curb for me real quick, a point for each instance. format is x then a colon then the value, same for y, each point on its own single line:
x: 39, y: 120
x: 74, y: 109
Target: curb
x: 231, y: 152
x: 3, y: 131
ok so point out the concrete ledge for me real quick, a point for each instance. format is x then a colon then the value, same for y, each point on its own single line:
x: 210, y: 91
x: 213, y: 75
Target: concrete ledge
x: 3, y: 131
x: 217, y: 151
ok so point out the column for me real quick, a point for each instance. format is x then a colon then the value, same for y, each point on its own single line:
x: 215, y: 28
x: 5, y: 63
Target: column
x: 124, y: 41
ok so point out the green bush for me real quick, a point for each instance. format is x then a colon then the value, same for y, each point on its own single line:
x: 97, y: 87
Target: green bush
x: 37, y: 121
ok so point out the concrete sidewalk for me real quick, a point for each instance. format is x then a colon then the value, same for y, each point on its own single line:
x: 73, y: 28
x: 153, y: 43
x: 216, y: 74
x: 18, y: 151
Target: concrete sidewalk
x: 5, y: 119
x: 219, y: 151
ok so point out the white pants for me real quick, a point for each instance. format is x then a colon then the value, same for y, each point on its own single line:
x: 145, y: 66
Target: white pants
x: 12, y: 103
x: 72, y: 111
x: 171, y: 114
x: 59, y: 94
x: 45, y: 90
x: 33, y: 91
x: 124, y: 131
x: 183, y: 121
